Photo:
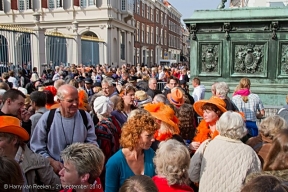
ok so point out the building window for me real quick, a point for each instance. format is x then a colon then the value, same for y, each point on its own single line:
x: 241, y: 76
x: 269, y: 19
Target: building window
x: 157, y: 35
x: 86, y: 3
x: 148, y: 12
x: 52, y: 4
x: 165, y: 37
x: 123, y: 5
x: 157, y: 15
x: 161, y: 36
x: 123, y: 45
x: 161, y: 17
x: 147, y: 34
x: 138, y: 6
x: 143, y: 33
x: 24, y: 5
x: 152, y: 35
x: 143, y: 9
x: 152, y: 15
x: 138, y: 30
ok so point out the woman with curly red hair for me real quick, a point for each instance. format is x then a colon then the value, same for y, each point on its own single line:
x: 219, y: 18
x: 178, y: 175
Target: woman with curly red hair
x: 136, y: 157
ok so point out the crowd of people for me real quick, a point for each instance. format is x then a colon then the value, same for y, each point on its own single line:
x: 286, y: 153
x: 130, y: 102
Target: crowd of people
x: 132, y: 129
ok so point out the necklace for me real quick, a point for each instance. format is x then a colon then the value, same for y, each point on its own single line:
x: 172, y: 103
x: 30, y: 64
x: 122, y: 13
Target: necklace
x: 65, y: 134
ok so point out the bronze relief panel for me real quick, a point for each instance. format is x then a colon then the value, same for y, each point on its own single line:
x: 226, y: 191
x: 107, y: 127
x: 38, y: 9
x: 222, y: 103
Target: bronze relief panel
x: 209, y: 59
x: 283, y: 59
x: 249, y: 59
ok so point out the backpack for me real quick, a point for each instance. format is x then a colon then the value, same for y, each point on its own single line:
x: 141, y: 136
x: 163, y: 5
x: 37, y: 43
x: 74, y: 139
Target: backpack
x: 51, y: 117
x: 107, y: 137
x: 283, y: 112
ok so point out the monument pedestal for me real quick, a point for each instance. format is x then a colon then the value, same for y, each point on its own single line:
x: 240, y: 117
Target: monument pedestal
x: 228, y: 44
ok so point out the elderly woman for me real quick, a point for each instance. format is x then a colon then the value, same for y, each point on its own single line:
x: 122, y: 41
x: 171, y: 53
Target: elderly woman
x: 210, y: 110
x: 276, y: 162
x: 172, y: 161
x: 168, y: 122
x: 126, y: 103
x: 223, y: 163
x: 268, y: 129
x: 221, y: 91
x: 107, y: 133
x: 135, y: 157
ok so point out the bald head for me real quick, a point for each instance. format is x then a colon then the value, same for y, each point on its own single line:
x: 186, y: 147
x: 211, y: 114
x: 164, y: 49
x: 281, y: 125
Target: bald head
x: 66, y: 90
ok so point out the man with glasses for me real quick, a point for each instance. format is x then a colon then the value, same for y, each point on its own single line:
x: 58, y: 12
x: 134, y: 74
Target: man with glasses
x: 68, y: 126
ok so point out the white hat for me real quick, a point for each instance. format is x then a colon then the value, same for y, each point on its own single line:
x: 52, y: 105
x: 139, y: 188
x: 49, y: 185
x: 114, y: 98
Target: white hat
x: 102, y: 105
x: 23, y: 90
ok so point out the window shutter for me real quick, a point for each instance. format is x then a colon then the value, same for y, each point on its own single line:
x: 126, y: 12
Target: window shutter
x: 14, y: 4
x: 44, y: 4
x: 1, y: 5
x: 76, y: 3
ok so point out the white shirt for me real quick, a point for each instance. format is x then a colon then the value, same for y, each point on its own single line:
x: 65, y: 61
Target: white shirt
x: 198, y: 93
x: 14, y: 81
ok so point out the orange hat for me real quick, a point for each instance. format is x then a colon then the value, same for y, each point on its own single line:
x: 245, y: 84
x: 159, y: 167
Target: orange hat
x: 176, y: 97
x: 164, y: 113
x: 10, y: 124
x: 83, y: 100
x: 52, y: 89
x: 213, y: 100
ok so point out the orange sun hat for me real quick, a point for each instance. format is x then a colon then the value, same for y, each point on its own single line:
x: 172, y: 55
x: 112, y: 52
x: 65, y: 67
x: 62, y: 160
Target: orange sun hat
x: 163, y: 113
x: 10, y: 124
x: 176, y: 97
x: 220, y: 103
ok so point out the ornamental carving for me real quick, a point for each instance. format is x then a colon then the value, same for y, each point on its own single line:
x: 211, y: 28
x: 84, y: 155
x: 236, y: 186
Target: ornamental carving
x: 249, y: 58
x: 284, y: 60
x: 210, y: 58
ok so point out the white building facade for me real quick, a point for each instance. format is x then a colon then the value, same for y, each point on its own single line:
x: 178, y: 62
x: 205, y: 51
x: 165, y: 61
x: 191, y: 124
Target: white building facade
x: 67, y: 32
x: 258, y: 3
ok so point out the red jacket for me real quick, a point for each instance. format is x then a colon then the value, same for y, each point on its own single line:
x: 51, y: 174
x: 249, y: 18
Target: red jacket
x: 162, y: 185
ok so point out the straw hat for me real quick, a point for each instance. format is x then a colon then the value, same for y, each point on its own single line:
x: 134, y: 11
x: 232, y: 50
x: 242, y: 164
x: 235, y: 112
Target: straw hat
x: 11, y: 125
x: 163, y: 112
x: 213, y: 100
x: 176, y: 97
x: 142, y: 97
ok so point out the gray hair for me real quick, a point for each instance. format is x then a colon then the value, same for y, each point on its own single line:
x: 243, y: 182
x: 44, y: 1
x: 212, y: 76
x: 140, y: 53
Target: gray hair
x: 137, y: 112
x: 86, y: 157
x: 64, y: 88
x: 222, y: 89
x: 231, y: 125
x: 58, y: 83
x: 2, y: 91
x: 160, y: 98
x: 152, y: 79
x: 272, y: 125
x: 108, y: 81
x: 172, y: 161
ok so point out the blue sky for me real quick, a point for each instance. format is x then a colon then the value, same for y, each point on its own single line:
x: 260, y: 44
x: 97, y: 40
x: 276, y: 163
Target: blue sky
x: 187, y: 7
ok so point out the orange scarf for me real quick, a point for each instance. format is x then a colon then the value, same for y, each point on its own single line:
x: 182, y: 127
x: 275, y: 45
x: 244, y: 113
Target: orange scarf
x: 162, y: 136
x: 203, y: 132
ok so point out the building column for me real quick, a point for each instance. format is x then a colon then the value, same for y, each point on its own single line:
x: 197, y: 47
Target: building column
x: 119, y: 47
x: 38, y: 54
x: 132, y: 51
x: 75, y: 49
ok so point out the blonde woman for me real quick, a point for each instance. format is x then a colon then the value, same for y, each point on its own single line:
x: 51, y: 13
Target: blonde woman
x: 250, y: 104
x: 268, y: 129
x: 172, y: 161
